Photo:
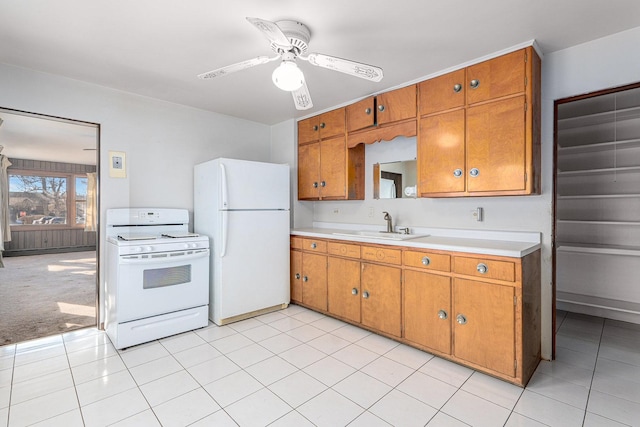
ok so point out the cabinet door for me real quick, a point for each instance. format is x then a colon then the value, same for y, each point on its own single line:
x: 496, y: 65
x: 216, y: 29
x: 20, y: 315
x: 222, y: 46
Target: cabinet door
x: 396, y: 105
x: 484, y: 324
x: 501, y: 76
x: 309, y: 130
x: 441, y: 153
x: 314, y: 280
x: 296, y: 276
x: 496, y: 146
x: 309, y: 171
x: 381, y: 304
x: 333, y: 168
x: 442, y: 93
x: 427, y: 310
x: 361, y: 114
x: 332, y: 123
x: 343, y: 288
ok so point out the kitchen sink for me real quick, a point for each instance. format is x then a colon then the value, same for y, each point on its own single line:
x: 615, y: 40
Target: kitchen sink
x: 380, y: 235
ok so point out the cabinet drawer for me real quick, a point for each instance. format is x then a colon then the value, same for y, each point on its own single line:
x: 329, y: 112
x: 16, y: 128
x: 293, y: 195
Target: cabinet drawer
x: 427, y: 260
x: 343, y: 249
x: 314, y: 245
x: 489, y: 268
x: 296, y: 242
x: 389, y: 256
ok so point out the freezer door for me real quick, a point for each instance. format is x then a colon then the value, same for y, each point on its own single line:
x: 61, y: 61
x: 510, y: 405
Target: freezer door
x: 253, y: 185
x: 251, y: 268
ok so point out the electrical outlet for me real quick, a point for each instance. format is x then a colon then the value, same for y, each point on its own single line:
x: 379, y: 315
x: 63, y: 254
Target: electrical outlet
x: 117, y: 164
x: 371, y: 212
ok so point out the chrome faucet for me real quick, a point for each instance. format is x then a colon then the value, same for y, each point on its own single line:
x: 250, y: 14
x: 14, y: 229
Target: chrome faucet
x: 389, y: 220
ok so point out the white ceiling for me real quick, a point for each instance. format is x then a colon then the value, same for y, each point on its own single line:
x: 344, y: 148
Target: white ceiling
x: 157, y: 47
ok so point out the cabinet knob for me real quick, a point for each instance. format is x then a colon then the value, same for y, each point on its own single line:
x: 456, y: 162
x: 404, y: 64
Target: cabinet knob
x: 426, y: 260
x: 314, y: 245
x: 457, y: 87
x: 297, y: 276
x: 482, y: 268
x: 315, y: 128
x: 474, y: 83
x: 381, y: 108
x: 367, y: 111
x: 365, y: 294
x: 354, y: 291
x: 305, y: 279
x: 323, y: 184
x: 457, y: 173
x: 315, y: 185
x: 442, y: 314
x: 323, y: 125
x: 460, y: 318
x: 474, y: 172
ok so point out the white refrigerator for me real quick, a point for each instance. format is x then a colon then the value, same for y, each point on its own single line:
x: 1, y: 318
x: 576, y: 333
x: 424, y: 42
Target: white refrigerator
x: 243, y: 206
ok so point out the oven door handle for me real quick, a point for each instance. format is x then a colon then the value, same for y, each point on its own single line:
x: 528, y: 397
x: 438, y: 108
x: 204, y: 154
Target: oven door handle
x: 136, y: 259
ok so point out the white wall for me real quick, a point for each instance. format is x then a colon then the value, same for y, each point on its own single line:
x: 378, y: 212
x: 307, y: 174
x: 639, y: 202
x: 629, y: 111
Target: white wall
x: 162, y: 141
x: 603, y: 63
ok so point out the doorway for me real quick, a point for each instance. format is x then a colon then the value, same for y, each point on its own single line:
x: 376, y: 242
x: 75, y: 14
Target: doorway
x: 49, y: 281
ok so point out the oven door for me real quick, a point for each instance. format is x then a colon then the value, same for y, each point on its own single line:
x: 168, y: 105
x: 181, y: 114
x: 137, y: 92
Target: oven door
x: 163, y: 282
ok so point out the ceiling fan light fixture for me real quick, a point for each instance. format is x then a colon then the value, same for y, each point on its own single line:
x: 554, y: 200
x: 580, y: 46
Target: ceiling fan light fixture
x: 288, y: 76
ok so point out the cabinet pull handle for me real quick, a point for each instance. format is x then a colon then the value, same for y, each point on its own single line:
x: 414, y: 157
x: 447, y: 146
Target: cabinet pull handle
x: 323, y: 184
x: 426, y: 260
x: 367, y: 111
x: 474, y: 172
x: 457, y: 87
x: 305, y: 279
x: 482, y: 268
x: 365, y: 294
x: 457, y: 173
x: 474, y: 84
x: 381, y: 108
x: 442, y: 314
x: 461, y: 319
x: 315, y: 128
x: 314, y: 245
x: 323, y: 125
x: 297, y: 276
x: 354, y: 291
x: 315, y: 185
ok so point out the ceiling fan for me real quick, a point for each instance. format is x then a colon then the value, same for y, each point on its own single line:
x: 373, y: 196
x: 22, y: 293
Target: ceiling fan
x: 290, y: 40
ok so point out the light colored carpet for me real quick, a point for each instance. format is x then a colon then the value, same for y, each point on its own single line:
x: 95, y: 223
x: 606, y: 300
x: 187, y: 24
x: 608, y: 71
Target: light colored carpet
x: 42, y: 295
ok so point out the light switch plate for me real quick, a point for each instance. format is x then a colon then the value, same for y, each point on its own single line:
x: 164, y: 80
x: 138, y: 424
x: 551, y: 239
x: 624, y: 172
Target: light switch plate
x: 117, y: 164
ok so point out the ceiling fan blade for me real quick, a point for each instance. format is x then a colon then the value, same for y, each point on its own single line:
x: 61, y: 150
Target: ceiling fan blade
x: 237, y: 67
x: 272, y: 32
x: 358, y: 69
x: 302, y: 98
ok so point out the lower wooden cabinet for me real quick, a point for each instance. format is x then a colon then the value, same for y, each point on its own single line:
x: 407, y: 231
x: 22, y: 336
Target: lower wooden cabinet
x: 484, y: 325
x: 381, y: 298
x: 481, y: 311
x: 427, y: 310
x: 343, y: 286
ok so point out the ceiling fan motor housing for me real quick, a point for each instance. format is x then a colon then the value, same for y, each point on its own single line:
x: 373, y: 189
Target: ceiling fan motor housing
x: 297, y: 33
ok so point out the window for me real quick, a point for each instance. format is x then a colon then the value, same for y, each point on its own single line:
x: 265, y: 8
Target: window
x: 47, y: 199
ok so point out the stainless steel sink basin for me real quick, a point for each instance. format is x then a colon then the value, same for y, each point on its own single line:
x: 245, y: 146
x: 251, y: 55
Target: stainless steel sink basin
x: 380, y: 235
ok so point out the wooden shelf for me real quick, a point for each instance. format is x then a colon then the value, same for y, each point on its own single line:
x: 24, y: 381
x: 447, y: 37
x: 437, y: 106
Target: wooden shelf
x: 598, y: 249
x: 599, y: 146
x: 603, y: 171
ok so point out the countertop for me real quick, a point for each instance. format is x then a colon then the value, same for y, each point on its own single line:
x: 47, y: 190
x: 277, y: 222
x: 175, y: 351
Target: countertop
x: 515, y: 244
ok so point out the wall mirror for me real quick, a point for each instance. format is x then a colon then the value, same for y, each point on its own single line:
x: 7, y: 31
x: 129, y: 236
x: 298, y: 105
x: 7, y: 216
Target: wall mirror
x: 394, y: 180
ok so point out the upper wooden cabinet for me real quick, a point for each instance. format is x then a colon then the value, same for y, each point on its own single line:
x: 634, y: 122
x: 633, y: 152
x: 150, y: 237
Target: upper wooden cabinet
x: 481, y: 137
x: 326, y: 125
x: 388, y: 107
x: 322, y: 169
x: 442, y: 93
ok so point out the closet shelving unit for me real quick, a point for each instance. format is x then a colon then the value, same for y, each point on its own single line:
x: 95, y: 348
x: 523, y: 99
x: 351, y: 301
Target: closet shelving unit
x: 597, y: 226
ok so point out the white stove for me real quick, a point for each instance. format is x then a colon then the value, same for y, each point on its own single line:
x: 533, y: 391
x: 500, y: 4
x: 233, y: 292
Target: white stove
x: 157, y: 275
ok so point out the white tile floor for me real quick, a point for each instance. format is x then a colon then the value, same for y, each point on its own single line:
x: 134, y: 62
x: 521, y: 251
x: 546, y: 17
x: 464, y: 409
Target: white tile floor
x: 299, y: 368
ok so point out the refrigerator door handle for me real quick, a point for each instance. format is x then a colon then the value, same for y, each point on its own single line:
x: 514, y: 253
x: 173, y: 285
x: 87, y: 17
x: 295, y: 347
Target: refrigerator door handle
x: 225, y: 229
x: 223, y: 183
